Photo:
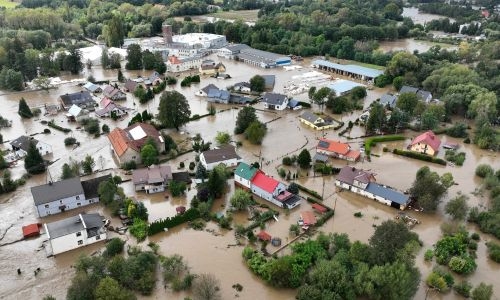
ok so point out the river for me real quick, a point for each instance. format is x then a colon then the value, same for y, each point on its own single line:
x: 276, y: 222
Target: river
x: 205, y: 251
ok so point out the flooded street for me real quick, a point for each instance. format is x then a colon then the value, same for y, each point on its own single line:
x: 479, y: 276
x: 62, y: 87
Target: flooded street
x: 206, y: 252
x: 412, y: 45
x: 421, y: 17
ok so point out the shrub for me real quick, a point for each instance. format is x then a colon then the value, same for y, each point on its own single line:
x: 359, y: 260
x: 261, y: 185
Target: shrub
x: 181, y: 165
x: 484, y: 170
x: 419, y: 156
x: 167, y: 223
x: 467, y: 141
x: 114, y: 247
x: 457, y: 158
x: 192, y: 165
x: 358, y: 214
x: 428, y: 255
x: 310, y: 192
x: 282, y: 172
x: 53, y: 125
x: 462, y: 265
x: 463, y: 288
x: 139, y: 229
x: 46, y: 131
x: 129, y: 165
x: 287, y: 161
x: 475, y: 236
x: 494, y: 251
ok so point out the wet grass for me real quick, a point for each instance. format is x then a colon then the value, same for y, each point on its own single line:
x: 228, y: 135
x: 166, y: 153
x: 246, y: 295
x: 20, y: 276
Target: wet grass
x: 245, y: 15
x: 8, y: 3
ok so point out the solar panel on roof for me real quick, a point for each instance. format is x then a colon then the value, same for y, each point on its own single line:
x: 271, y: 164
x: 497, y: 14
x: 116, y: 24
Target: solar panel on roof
x: 323, y: 144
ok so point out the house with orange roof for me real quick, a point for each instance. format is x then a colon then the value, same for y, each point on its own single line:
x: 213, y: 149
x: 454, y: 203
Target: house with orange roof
x: 126, y: 143
x: 426, y: 143
x: 337, y: 150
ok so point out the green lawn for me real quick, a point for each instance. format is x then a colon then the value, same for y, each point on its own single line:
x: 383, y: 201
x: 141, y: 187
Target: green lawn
x: 245, y: 15
x: 368, y: 65
x: 8, y: 3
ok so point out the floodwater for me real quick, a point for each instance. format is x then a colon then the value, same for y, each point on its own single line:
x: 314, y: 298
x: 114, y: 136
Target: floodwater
x: 214, y: 251
x: 411, y: 45
x: 421, y: 17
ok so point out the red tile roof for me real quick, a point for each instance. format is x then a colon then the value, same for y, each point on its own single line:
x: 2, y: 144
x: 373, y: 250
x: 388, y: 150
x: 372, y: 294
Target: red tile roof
x: 121, y: 139
x: 334, y: 146
x: 264, y: 236
x: 31, y: 230
x: 264, y: 182
x: 308, y: 218
x: 118, y: 139
x: 105, y: 102
x: 319, y: 208
x: 428, y: 138
x: 355, y: 154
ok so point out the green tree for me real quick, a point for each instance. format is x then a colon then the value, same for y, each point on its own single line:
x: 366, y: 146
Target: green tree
x: 105, y: 58
x: 241, y: 199
x: 403, y: 63
x: 148, y: 59
x: 33, y: 162
x: 376, y: 119
x: 484, y: 170
x: 407, y: 102
x: 293, y: 188
x: 114, y: 32
x: 107, y: 191
x: 311, y: 93
x: 321, y: 95
x: 255, y: 132
x: 393, y: 281
x: 82, y: 287
x: 73, y: 61
x: 246, y: 116
x: 484, y: 106
x: 216, y: 183
x: 398, y: 82
x: 134, y: 57
x: 257, y: 83
x: 24, y: 110
x: 428, y: 189
x: 42, y: 82
x: 174, y: 110
x: 223, y: 137
x: 201, y: 171
x: 457, y: 98
x: 482, y: 292
x: 120, y: 76
x: 114, y: 247
x: 11, y: 79
x: 389, y: 238
x: 206, y: 287
x: 88, y: 164
x: 457, y: 208
x: 177, y: 188
x: 149, y: 155
x: 304, y: 159
x: 358, y: 93
x: 449, y: 75
x: 110, y: 289
x: 67, y: 172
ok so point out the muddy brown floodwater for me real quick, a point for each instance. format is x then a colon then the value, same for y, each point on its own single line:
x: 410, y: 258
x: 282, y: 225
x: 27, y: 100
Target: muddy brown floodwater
x: 213, y: 251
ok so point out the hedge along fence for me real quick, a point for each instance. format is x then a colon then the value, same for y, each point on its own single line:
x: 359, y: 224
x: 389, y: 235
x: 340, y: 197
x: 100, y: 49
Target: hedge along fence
x: 264, y: 217
x: 310, y: 192
x: 370, y: 142
x: 325, y: 216
x: 420, y: 156
x: 53, y: 125
x: 160, y: 225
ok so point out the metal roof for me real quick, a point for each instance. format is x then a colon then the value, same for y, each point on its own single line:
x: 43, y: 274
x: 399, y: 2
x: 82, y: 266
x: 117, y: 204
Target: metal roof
x: 343, y: 86
x: 355, y: 69
x: 220, y: 155
x: 74, y: 224
x: 309, y: 116
x: 387, y: 193
x: 57, y: 190
x: 245, y: 171
x: 273, y: 98
x: 388, y: 99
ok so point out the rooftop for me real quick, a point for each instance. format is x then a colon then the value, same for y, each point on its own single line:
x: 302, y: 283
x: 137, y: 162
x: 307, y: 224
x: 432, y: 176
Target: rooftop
x: 273, y: 98
x: 333, y: 146
x: 428, y: 138
x: 152, y: 174
x: 342, y: 86
x: 56, y: 190
x: 221, y: 154
x: 265, y: 182
x: 308, y: 217
x: 23, y: 142
x: 348, y: 174
x: 134, y: 136
x: 388, y: 99
x: 74, y: 224
x: 91, y: 186
x: 309, y: 116
x: 355, y: 69
x: 387, y: 193
x: 78, y: 98
x: 245, y: 171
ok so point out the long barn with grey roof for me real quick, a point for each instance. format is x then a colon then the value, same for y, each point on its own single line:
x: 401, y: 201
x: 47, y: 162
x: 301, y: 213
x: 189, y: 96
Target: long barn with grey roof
x: 353, y: 71
x: 56, y: 197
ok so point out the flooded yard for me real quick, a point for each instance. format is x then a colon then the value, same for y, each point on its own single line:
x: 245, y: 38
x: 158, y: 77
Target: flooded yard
x: 214, y: 251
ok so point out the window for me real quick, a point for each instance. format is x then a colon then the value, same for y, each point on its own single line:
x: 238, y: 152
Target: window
x: 77, y: 197
x: 46, y: 206
x: 97, y: 237
x: 60, y: 201
x: 91, y: 201
x: 78, y: 234
x: 80, y: 242
x: 78, y: 204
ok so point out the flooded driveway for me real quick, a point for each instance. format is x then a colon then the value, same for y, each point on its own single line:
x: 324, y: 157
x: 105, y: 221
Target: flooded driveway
x: 214, y: 251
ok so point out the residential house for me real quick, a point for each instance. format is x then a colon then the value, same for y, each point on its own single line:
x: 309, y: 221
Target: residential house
x: 273, y: 191
x: 218, y: 96
x: 93, y: 88
x: 76, y: 113
x: 243, y: 175
x: 209, y: 67
x: 225, y: 155
x: 388, y: 100
x: 56, y: 197
x: 175, y: 64
x: 153, y: 79
x: 75, y: 232
x: 82, y: 99
x: 114, y: 93
x: 130, y: 86
x: 243, y: 87
x: 426, y: 143
x: 110, y: 108
x: 21, y: 146
x: 363, y: 183
x: 275, y: 101
x: 316, y: 122
x: 269, y: 81
x: 337, y: 150
x: 204, y: 91
x: 91, y: 188
x: 307, y: 218
x: 423, y: 95
x: 126, y: 143
x: 153, y: 179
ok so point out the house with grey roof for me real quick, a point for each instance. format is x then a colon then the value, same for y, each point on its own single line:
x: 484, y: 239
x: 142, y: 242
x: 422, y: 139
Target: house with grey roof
x: 225, y: 155
x: 21, y: 145
x: 242, y: 87
x: 423, y: 95
x: 388, y: 100
x: 204, y: 91
x: 74, y: 232
x: 83, y: 99
x: 114, y: 93
x: 93, y: 88
x: 153, y: 179
x: 352, y: 71
x: 275, y: 101
x: 56, y: 197
x: 269, y: 81
x: 364, y: 183
x: 316, y: 122
x: 218, y: 96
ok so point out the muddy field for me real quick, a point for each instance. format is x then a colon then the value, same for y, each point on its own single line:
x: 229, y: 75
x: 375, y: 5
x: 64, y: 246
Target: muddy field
x: 209, y: 251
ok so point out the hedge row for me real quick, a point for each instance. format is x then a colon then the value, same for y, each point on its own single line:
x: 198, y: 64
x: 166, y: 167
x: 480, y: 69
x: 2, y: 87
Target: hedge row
x: 325, y: 217
x: 310, y: 192
x: 370, y: 142
x: 159, y: 226
x: 53, y: 125
x: 420, y: 156
x: 268, y: 215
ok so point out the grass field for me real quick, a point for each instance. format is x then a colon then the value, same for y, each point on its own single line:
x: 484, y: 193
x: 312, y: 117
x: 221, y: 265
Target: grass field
x: 245, y: 15
x: 8, y: 3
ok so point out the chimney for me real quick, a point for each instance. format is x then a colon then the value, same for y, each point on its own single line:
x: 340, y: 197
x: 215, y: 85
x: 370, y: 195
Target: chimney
x: 167, y: 33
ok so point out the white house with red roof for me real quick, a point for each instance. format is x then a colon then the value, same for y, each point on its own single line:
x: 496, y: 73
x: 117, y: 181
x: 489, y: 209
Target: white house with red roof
x: 176, y: 64
x: 426, y: 143
x: 337, y: 150
x: 273, y: 191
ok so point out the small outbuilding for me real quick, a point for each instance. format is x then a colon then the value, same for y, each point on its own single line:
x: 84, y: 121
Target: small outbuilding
x: 31, y: 230
x: 264, y: 236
